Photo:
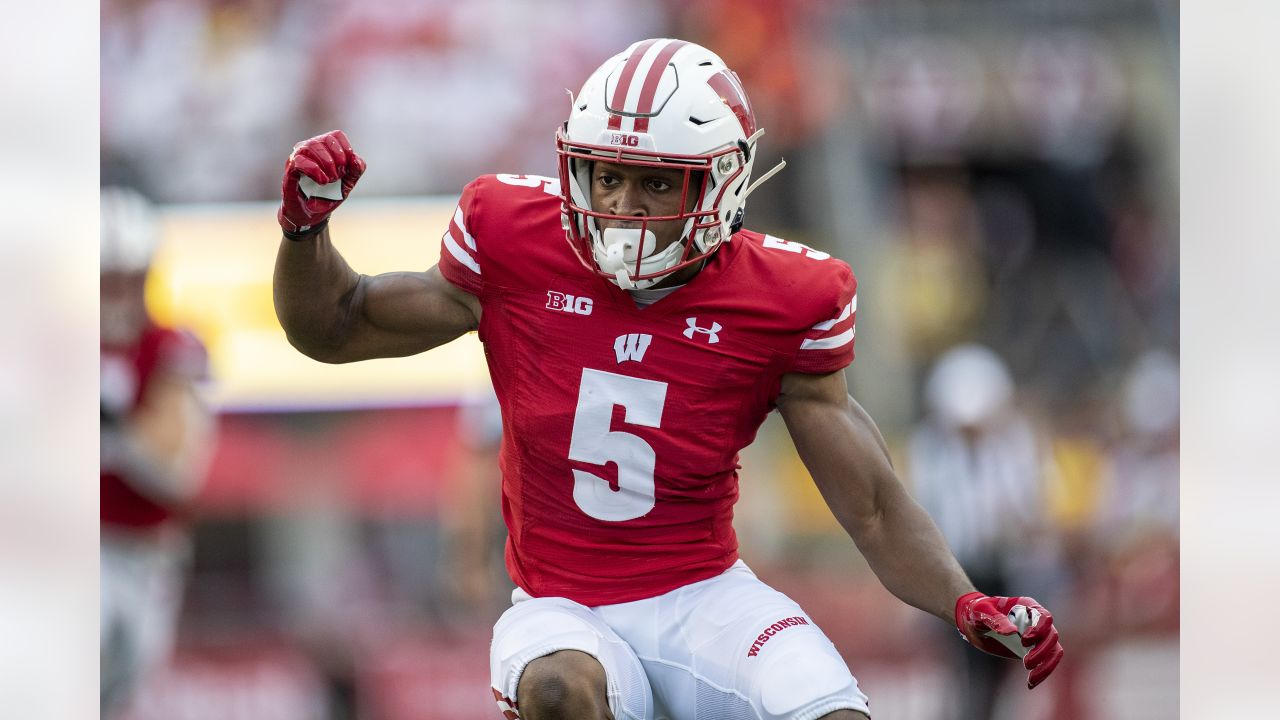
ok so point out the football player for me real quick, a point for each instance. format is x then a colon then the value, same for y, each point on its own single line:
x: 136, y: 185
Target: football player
x: 156, y: 435
x: 637, y: 336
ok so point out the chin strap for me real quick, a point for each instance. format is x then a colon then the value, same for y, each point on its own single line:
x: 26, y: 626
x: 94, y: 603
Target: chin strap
x: 760, y: 181
x: 751, y: 143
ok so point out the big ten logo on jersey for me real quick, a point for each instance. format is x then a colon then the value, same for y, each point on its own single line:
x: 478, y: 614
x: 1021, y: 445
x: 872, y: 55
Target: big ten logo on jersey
x: 550, y: 186
x: 568, y: 303
x: 795, y: 247
x: 624, y: 139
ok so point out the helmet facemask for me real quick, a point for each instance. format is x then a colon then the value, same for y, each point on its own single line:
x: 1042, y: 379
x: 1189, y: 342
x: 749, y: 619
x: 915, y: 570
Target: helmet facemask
x: 628, y: 255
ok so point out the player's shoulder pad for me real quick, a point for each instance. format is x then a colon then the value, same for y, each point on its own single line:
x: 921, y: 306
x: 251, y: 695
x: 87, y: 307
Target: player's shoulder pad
x: 501, y: 200
x: 813, y: 282
x: 816, y: 296
x: 509, y: 187
x: 487, y: 240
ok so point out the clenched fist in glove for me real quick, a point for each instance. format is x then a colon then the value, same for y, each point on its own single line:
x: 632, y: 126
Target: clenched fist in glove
x: 318, y: 176
x: 1011, y: 627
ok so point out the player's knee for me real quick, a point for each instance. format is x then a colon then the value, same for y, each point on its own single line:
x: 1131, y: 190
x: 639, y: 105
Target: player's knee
x: 565, y: 684
x: 803, y: 681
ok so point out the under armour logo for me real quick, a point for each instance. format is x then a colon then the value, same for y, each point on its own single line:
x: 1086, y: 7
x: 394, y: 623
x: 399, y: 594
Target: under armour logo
x: 631, y: 347
x: 712, y: 337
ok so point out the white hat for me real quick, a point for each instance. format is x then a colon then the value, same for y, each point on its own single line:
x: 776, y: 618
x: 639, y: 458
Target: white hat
x: 969, y: 384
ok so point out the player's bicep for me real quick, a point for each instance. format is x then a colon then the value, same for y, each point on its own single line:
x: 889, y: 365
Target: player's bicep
x: 404, y: 313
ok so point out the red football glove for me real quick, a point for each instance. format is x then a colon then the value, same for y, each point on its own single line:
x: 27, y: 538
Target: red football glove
x: 325, y: 160
x: 981, y: 619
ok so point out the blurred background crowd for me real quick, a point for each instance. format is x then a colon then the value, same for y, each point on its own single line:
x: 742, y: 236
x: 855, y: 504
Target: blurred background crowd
x: 1000, y: 174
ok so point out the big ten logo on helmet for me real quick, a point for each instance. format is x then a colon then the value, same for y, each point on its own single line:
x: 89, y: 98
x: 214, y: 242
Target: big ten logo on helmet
x: 568, y: 303
x: 624, y: 139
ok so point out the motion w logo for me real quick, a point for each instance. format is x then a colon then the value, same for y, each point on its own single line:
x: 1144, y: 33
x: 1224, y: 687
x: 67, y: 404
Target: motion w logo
x: 631, y: 347
x: 712, y: 337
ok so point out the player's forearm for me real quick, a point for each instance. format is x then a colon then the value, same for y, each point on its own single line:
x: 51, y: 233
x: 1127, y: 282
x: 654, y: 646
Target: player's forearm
x: 314, y: 292
x: 909, y: 555
x: 849, y: 461
x: 900, y: 542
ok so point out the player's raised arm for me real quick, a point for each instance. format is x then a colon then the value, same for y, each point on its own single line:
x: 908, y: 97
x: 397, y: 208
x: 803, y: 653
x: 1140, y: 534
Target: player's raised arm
x: 846, y: 455
x: 330, y: 312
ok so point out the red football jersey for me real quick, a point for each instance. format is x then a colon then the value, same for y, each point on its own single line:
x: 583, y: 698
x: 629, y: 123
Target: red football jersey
x: 622, y: 425
x: 126, y: 373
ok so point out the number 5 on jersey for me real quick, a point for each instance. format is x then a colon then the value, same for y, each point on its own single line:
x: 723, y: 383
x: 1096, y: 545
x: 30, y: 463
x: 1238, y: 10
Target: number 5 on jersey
x: 593, y: 442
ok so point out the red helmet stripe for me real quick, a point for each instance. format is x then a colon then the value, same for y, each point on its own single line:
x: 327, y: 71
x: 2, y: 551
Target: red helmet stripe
x: 727, y: 85
x: 651, y: 81
x: 624, y: 83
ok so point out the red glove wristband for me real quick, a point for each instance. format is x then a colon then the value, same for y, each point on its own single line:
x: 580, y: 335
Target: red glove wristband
x: 960, y: 604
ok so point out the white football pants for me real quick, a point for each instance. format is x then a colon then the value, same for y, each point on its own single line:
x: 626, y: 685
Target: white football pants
x: 726, y: 648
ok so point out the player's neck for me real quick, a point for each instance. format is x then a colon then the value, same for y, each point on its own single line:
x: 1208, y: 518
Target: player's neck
x: 648, y: 296
x: 680, y: 277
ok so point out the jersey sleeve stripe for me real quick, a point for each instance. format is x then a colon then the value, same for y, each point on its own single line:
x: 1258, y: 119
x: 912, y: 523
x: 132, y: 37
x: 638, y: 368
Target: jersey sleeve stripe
x: 462, y: 225
x: 828, y: 343
x: 849, y: 309
x: 459, y: 254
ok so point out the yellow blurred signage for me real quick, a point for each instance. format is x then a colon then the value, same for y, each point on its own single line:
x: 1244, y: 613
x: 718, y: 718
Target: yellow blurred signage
x: 212, y: 275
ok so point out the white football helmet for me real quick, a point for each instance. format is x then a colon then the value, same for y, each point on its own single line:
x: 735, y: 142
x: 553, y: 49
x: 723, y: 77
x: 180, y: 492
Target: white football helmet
x: 130, y: 230
x: 660, y: 103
